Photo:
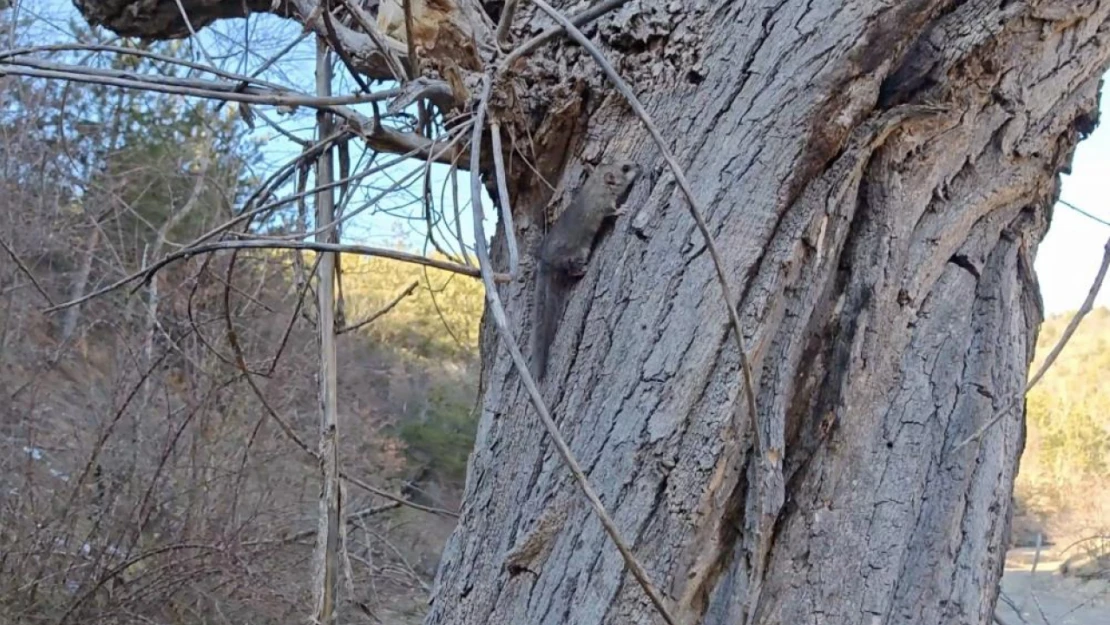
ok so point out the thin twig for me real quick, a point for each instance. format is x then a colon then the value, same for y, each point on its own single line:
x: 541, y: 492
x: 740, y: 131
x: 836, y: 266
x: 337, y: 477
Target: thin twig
x: 384, y: 310
x: 378, y: 137
x: 1033, y: 570
x: 98, y: 47
x: 1088, y: 305
x: 373, y: 490
x: 509, y: 341
x: 697, y: 213
x: 26, y: 271
x: 1010, y: 603
x: 279, y: 180
x: 256, y: 244
x: 291, y: 434
x: 209, y: 89
x: 348, y: 216
x: 193, y: 39
x: 371, y: 29
x: 508, y: 11
x: 1105, y: 537
x: 454, y: 173
x: 266, y: 65
x: 1090, y: 216
x: 579, y: 19
x: 503, y: 195
x: 352, y: 518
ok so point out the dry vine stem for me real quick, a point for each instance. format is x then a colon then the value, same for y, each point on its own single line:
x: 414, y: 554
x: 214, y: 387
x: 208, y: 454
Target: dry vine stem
x: 346, y: 248
x: 579, y: 19
x: 408, y: 290
x: 697, y: 213
x: 208, y: 89
x: 251, y: 79
x: 503, y: 194
x: 502, y: 323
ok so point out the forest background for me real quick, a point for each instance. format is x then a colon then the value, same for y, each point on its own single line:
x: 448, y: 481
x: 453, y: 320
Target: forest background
x: 127, y: 428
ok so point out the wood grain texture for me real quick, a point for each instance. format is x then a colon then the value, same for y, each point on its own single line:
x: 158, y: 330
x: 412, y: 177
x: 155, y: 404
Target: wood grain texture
x: 883, y: 256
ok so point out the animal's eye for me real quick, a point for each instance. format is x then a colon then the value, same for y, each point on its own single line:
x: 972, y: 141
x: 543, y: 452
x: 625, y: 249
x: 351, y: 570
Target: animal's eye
x: 626, y: 168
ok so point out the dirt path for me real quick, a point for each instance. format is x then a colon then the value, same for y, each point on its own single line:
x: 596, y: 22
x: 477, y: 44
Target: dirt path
x: 1045, y: 597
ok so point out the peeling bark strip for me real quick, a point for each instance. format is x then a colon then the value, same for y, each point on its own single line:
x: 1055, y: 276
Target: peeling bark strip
x: 878, y: 177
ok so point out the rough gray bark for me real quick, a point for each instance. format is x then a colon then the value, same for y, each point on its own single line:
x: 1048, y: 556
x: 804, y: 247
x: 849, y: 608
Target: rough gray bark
x: 878, y: 177
x: 884, y: 258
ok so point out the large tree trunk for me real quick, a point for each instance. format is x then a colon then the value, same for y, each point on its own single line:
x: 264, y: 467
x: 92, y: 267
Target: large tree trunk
x: 884, y: 261
x: 877, y: 176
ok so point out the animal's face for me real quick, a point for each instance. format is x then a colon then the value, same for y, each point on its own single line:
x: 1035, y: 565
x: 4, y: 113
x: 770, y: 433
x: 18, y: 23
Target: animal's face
x: 618, y: 181
x: 623, y: 176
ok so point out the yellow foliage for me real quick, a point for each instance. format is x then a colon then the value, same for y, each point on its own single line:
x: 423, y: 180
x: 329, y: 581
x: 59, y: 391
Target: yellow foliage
x: 1068, y: 412
x: 438, y: 320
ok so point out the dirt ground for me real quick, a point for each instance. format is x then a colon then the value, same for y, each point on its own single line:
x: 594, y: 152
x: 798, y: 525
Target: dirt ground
x: 1045, y: 597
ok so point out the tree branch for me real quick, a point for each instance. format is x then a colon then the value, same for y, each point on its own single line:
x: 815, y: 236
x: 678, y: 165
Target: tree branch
x: 209, y: 89
x: 384, y: 309
x: 258, y: 244
x: 580, y: 19
x: 26, y: 271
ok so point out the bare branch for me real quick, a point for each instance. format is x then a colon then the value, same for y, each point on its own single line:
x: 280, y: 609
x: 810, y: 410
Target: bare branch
x: 1092, y: 217
x: 99, y: 47
x: 1088, y: 305
x: 26, y: 271
x: 410, y: 39
x: 436, y: 91
x: 377, y: 136
x: 580, y: 19
x: 508, y: 12
x: 210, y: 89
x: 373, y: 490
x: 350, y: 39
x: 193, y: 40
x: 384, y: 309
x: 326, y: 554
x: 262, y: 243
x: 506, y: 207
x: 241, y: 364
x: 352, y: 518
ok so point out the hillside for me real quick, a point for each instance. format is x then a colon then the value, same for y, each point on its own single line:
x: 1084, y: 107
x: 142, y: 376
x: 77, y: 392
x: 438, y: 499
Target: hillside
x: 157, y: 439
x: 1062, y: 490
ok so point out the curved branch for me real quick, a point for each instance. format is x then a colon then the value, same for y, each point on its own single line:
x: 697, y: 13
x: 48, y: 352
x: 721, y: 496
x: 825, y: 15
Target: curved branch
x: 259, y: 244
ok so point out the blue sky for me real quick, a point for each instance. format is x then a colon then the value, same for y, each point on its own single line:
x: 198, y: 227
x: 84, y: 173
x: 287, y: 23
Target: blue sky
x: 1070, y: 254
x: 1066, y: 262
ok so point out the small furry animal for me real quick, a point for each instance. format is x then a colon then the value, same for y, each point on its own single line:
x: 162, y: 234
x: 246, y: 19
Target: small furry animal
x: 566, y: 248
